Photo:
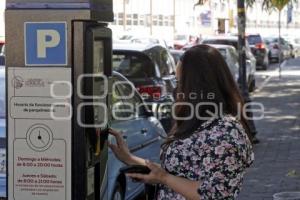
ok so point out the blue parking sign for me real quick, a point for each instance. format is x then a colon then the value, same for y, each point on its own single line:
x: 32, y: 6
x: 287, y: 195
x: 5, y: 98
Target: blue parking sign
x: 45, y: 43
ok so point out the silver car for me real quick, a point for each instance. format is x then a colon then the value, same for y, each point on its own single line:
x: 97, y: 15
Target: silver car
x: 233, y: 42
x: 275, y: 54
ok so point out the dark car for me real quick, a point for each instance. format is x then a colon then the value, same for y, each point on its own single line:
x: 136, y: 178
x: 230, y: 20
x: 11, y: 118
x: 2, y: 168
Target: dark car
x: 151, y: 69
x: 259, y: 50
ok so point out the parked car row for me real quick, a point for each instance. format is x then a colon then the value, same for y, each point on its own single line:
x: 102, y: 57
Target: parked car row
x: 151, y: 68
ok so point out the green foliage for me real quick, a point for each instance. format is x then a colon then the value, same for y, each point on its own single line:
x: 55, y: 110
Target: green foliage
x: 266, y: 4
x: 270, y: 5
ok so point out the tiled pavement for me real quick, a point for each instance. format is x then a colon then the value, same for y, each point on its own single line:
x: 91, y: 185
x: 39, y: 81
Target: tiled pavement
x: 277, y: 164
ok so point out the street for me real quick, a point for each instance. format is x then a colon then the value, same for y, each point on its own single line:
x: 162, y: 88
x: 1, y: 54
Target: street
x: 276, y: 167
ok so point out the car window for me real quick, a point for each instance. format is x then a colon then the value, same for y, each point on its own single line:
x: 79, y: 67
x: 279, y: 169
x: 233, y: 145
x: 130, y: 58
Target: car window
x: 163, y: 59
x: 223, y: 53
x: 180, y: 37
x: 126, y: 94
x: 254, y: 39
x: 166, y: 64
x: 133, y: 65
x: 275, y: 40
x: 233, y: 54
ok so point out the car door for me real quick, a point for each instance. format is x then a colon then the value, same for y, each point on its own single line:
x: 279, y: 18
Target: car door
x: 139, y: 129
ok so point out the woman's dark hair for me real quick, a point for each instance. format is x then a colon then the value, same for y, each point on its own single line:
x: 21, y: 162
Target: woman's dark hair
x: 205, y: 74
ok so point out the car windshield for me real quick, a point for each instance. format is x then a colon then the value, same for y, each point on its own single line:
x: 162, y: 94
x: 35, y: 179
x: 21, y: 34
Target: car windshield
x: 270, y: 40
x: 180, y: 37
x: 254, y: 39
x: 133, y: 65
x: 221, y: 41
x: 2, y: 97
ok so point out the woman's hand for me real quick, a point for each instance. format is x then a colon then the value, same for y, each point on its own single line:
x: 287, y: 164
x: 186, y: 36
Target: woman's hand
x: 157, y: 174
x: 120, y: 149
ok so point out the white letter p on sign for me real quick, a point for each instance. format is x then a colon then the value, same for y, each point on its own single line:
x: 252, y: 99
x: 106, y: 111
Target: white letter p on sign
x: 43, y: 43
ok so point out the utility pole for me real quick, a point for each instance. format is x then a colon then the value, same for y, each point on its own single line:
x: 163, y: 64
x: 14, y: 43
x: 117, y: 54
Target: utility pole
x: 279, y: 42
x: 241, y: 48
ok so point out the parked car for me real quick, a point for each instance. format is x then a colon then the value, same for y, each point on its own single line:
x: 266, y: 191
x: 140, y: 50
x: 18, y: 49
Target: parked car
x: 177, y: 54
x: 295, y: 42
x: 151, y: 68
x: 182, y: 40
x: 259, y: 50
x: 151, y: 40
x: 250, y: 59
x: 2, y: 47
x: 143, y: 134
x: 273, y: 45
x: 230, y: 55
x: 2, y: 133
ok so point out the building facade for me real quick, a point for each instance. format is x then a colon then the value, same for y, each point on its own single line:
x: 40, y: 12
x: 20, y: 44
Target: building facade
x: 166, y: 18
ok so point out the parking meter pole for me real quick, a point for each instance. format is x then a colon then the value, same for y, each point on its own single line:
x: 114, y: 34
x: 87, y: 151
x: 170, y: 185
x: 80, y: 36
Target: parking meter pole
x: 58, y: 58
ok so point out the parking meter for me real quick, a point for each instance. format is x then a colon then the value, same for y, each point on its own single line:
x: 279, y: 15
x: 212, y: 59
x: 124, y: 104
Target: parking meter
x: 58, y: 58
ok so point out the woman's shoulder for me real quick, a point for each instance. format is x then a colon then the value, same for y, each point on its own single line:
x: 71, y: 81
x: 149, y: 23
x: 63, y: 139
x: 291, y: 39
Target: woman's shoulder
x: 226, y: 127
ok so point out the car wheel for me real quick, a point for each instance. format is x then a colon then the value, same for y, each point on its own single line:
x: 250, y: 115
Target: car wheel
x: 118, y: 193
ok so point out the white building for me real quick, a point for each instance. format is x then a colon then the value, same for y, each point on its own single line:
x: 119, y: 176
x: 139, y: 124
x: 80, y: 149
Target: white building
x: 168, y: 17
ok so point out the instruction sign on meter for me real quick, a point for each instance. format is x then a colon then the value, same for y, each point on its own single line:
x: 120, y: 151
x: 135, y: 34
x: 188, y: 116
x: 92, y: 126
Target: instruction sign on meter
x: 39, y: 126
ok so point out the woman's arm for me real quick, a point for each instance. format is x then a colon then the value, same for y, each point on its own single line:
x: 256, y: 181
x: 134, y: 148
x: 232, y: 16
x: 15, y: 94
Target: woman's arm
x: 122, y: 152
x: 134, y: 160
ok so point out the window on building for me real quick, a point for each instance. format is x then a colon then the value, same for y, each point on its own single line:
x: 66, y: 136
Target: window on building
x: 128, y: 19
x: 135, y: 19
x: 155, y: 20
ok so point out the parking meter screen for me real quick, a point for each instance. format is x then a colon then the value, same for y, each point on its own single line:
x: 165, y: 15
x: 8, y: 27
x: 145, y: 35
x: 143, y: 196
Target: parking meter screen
x: 98, y: 57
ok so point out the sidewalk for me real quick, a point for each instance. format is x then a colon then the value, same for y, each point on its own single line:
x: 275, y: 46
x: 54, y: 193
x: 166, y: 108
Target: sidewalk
x: 277, y: 157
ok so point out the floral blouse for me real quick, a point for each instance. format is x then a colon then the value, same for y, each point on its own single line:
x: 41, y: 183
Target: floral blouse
x: 216, y: 155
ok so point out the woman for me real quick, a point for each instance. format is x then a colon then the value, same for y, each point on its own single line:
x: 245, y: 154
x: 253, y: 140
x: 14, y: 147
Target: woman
x: 206, y: 154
